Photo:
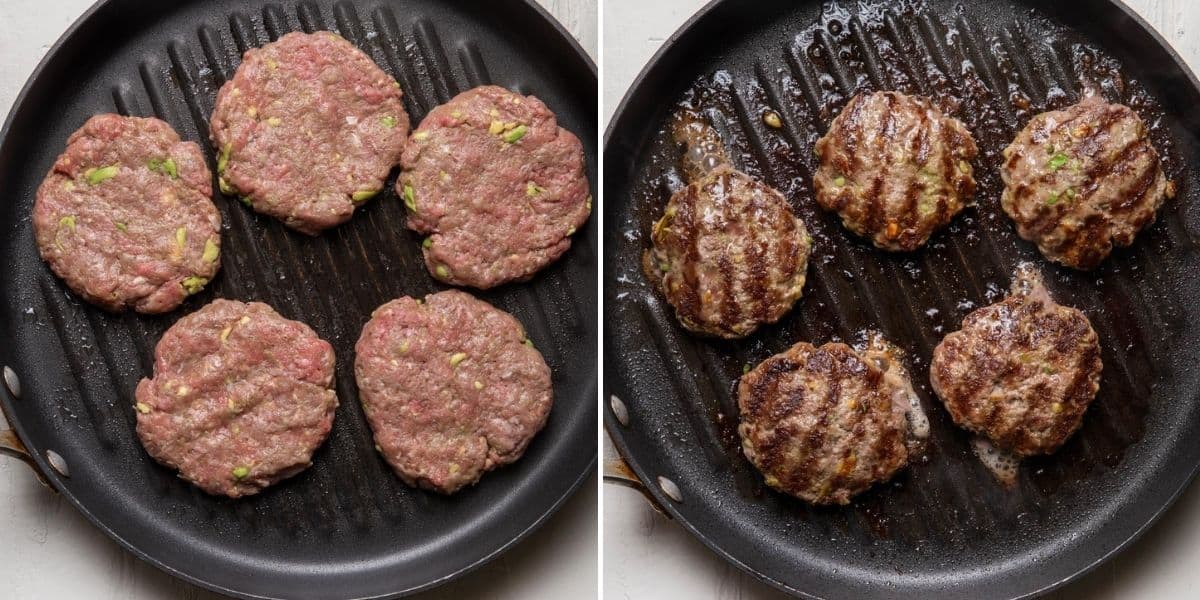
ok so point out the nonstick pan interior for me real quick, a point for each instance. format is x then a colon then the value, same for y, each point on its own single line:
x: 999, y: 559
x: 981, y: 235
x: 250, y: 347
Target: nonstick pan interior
x: 347, y: 527
x: 944, y: 528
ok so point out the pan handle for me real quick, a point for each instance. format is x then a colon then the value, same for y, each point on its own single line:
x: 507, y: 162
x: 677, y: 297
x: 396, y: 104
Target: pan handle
x: 10, y: 445
x: 617, y: 472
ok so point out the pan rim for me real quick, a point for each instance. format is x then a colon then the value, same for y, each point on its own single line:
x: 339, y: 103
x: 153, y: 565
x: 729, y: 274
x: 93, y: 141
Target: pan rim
x: 52, y: 476
x: 614, y: 429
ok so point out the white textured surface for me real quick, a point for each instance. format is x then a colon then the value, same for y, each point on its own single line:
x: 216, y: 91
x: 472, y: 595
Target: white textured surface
x: 49, y: 551
x: 648, y: 556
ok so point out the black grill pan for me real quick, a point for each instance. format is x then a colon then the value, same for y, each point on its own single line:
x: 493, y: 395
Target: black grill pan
x: 347, y: 527
x: 943, y: 528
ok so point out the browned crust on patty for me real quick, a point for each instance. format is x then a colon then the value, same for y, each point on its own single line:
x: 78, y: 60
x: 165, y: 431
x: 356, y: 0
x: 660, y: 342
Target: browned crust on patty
x: 1020, y: 372
x: 1082, y: 180
x: 728, y: 254
x: 895, y: 169
x: 821, y: 423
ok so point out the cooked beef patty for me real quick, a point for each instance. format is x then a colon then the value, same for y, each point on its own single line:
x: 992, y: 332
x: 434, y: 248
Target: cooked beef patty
x: 1081, y: 180
x: 308, y: 128
x: 496, y: 184
x: 451, y: 386
x: 895, y: 169
x: 826, y: 423
x: 125, y: 216
x: 1020, y: 372
x: 240, y: 398
x: 728, y: 254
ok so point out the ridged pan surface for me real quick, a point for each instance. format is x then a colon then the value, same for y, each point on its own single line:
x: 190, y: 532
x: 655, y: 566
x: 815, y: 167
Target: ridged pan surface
x: 347, y: 527
x: 944, y: 527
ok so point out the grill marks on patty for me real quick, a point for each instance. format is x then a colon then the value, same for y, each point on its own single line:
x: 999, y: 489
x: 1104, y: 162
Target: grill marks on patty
x: 1021, y: 372
x: 825, y: 423
x: 895, y: 168
x: 1080, y: 180
x: 728, y: 254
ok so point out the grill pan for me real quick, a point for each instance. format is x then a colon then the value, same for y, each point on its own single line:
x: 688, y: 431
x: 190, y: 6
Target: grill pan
x: 347, y: 527
x: 943, y: 528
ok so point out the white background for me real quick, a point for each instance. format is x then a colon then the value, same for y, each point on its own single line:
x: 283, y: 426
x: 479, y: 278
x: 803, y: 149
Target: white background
x: 49, y: 551
x: 648, y: 556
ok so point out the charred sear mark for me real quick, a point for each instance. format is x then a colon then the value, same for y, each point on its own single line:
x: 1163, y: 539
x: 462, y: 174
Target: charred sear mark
x: 1021, y: 372
x: 728, y: 254
x: 895, y: 169
x: 818, y: 422
x: 1082, y: 180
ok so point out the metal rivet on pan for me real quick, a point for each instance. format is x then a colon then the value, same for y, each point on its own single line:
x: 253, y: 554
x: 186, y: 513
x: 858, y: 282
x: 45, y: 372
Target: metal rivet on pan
x: 619, y: 410
x: 58, y: 462
x: 12, y: 382
x: 670, y: 489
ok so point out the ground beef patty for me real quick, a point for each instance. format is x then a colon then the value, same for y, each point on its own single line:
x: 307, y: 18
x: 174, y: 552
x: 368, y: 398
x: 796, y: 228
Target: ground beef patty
x: 125, y: 216
x: 308, y: 128
x: 1020, y: 372
x: 452, y: 388
x: 1080, y: 180
x: 240, y: 399
x: 895, y: 168
x: 728, y: 254
x: 496, y: 184
x: 826, y: 423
